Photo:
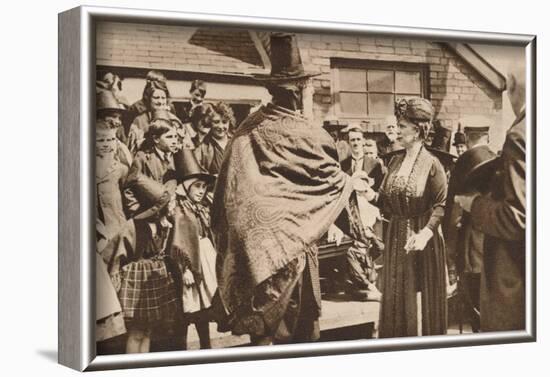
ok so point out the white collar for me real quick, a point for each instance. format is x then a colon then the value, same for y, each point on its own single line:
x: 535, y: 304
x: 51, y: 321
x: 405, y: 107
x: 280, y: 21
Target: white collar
x: 163, y: 155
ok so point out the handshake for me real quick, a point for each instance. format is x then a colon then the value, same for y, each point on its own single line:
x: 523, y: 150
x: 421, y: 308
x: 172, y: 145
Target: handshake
x: 362, y: 184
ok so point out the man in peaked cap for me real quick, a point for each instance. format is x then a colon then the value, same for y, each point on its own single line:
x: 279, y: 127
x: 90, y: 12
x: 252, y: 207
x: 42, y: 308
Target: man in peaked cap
x: 464, y: 243
x: 279, y: 190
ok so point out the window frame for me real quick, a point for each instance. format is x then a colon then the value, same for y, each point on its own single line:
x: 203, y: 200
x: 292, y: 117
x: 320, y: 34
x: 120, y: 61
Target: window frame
x: 337, y: 64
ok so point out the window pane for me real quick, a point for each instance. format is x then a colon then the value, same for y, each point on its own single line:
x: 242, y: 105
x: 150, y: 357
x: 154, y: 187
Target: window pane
x: 381, y: 104
x: 380, y: 81
x: 399, y: 97
x: 353, y: 80
x: 407, y: 82
x: 353, y: 103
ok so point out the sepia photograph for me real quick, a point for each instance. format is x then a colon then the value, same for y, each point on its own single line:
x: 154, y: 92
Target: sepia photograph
x: 268, y: 187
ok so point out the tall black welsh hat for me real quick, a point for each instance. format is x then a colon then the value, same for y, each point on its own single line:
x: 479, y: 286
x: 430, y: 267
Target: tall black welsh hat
x: 286, y: 63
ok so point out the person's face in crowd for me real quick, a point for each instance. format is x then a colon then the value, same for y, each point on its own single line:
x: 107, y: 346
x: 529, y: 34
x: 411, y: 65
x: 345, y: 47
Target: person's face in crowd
x: 334, y: 135
x: 219, y: 127
x: 197, y: 95
x: 105, y: 142
x: 204, y: 127
x: 407, y: 133
x: 168, y: 141
x: 113, y: 117
x: 429, y: 139
x: 391, y: 132
x: 356, y: 142
x: 158, y: 99
x: 461, y: 148
x: 197, y: 191
x: 371, y: 151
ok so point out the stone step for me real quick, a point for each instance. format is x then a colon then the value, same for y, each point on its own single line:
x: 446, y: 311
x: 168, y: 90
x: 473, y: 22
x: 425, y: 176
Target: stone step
x: 338, y: 311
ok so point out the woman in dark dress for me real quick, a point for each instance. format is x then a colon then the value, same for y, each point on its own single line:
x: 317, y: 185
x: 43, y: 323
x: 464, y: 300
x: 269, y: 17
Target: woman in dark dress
x: 413, y: 198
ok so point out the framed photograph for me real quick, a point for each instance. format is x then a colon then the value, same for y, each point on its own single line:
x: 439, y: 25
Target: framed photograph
x: 271, y: 188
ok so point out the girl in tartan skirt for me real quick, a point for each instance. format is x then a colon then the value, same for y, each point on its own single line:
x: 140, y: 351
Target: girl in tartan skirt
x: 192, y: 248
x: 147, y: 291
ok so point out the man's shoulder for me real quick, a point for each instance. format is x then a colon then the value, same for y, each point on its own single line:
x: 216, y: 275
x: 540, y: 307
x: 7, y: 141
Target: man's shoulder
x: 517, y: 131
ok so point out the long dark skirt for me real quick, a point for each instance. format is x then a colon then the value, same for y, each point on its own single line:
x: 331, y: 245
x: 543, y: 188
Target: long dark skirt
x: 404, y: 275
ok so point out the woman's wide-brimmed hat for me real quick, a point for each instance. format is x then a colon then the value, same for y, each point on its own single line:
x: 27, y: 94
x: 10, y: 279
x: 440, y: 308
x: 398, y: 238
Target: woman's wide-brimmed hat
x: 188, y: 167
x: 286, y: 63
x: 152, y: 195
x: 106, y: 100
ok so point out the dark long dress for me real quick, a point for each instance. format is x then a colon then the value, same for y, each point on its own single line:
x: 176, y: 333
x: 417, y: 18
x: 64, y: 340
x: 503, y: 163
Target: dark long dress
x: 411, y: 203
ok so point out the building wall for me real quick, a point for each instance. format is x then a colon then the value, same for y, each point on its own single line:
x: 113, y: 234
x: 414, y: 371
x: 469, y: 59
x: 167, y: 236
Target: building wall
x: 456, y: 90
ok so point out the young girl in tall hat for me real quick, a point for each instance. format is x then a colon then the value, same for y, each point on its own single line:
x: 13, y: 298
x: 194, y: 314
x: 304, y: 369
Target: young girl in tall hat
x: 192, y: 248
x: 147, y: 289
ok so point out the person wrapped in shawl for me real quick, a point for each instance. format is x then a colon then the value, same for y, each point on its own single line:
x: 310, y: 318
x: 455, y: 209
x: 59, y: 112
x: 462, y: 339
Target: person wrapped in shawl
x: 279, y: 189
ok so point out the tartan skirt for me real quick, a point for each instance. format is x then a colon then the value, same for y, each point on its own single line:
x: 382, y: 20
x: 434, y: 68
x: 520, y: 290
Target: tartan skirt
x: 148, y: 292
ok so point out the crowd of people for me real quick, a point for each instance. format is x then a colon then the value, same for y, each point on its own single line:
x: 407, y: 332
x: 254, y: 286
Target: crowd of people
x: 201, y: 220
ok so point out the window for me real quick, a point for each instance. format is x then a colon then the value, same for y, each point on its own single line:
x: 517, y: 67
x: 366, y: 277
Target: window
x: 366, y: 89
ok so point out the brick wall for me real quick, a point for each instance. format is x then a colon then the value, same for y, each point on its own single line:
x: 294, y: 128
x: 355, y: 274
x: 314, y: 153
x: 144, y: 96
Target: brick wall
x: 167, y: 47
x: 456, y: 89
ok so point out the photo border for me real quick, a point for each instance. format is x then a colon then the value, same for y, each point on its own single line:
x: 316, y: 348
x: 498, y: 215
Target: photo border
x: 76, y: 212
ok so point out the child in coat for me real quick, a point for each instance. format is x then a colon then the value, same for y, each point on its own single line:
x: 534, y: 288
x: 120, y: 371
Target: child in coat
x: 192, y: 248
x: 147, y: 290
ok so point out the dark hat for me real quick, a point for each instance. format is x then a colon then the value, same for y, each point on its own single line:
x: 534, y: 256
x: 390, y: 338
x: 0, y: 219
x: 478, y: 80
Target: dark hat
x: 152, y: 195
x: 101, y: 124
x: 476, y: 129
x: 286, y: 63
x: 106, y: 100
x: 441, y: 137
x: 415, y: 109
x: 459, y: 138
x: 165, y: 114
x: 334, y: 124
x: 446, y: 159
x: 188, y: 167
x: 479, y: 168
